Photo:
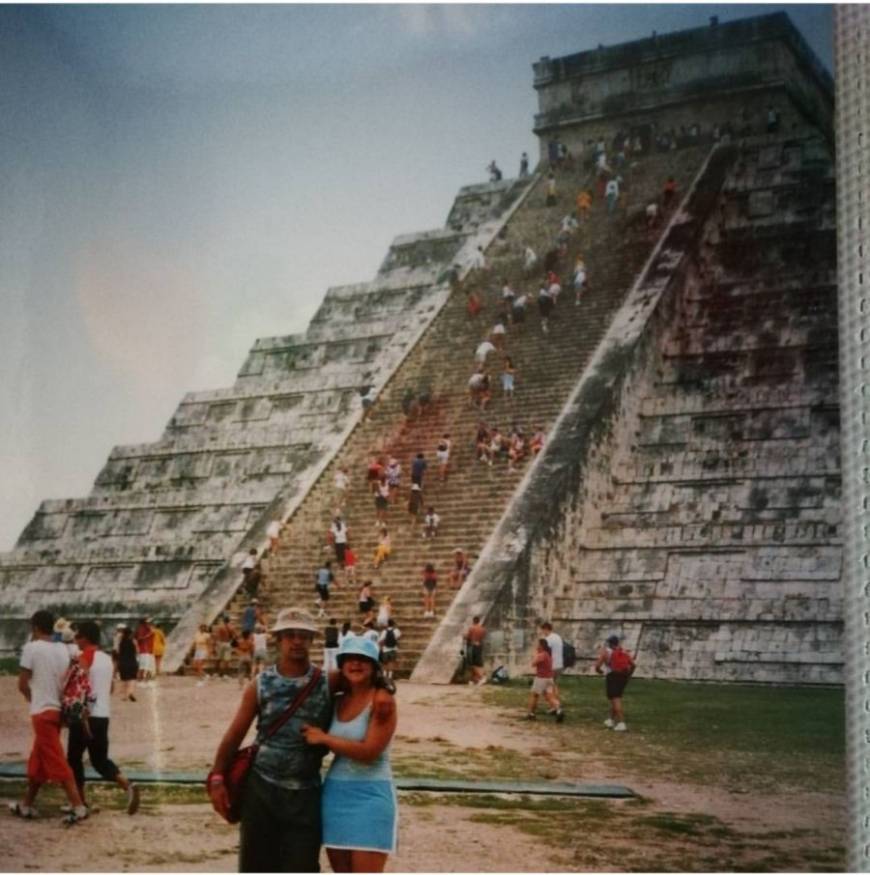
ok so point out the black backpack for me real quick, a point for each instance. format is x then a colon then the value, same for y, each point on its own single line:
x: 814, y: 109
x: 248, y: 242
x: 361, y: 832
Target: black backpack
x: 330, y: 636
x: 569, y: 655
x: 499, y: 675
x: 390, y: 640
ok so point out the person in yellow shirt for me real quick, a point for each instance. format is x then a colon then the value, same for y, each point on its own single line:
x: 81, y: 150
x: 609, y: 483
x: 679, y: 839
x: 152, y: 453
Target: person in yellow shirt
x: 584, y: 204
x: 159, y: 649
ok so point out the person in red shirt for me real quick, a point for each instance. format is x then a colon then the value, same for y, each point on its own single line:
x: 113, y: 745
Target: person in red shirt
x: 349, y: 565
x: 145, y: 645
x: 375, y: 472
x: 430, y: 584
x: 669, y: 193
x: 544, y: 683
x: 473, y: 304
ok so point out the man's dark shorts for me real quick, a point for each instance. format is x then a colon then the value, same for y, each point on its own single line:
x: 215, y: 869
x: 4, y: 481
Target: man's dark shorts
x: 280, y: 829
x: 614, y: 684
x: 475, y: 655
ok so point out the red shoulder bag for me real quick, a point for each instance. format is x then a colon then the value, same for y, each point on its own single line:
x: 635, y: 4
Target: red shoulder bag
x: 243, y: 759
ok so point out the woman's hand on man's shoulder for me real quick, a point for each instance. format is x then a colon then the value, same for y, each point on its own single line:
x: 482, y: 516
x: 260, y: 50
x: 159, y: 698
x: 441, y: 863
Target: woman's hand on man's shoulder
x: 384, y: 705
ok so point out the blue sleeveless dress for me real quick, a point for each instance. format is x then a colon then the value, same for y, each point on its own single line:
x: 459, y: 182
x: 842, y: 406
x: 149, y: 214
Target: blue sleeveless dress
x: 360, y: 809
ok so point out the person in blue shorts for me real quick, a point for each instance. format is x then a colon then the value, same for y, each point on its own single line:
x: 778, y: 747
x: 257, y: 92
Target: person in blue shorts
x: 359, y: 806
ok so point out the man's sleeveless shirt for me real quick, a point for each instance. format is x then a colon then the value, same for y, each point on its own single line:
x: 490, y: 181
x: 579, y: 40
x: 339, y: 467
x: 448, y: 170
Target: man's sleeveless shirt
x: 286, y: 759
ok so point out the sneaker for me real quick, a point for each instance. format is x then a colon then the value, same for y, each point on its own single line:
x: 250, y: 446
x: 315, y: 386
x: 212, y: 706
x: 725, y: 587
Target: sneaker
x: 609, y: 723
x: 482, y: 681
x: 133, y: 799
x: 531, y: 716
x: 620, y: 727
x: 66, y: 808
x: 132, y: 698
x: 75, y: 817
x: 560, y: 716
x: 23, y: 811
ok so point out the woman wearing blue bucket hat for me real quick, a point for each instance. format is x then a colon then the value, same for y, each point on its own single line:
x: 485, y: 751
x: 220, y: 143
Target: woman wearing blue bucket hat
x: 360, y: 809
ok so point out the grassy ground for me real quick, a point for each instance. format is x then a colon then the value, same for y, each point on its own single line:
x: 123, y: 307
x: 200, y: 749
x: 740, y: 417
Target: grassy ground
x: 746, y: 736
x: 627, y: 836
x: 781, y: 741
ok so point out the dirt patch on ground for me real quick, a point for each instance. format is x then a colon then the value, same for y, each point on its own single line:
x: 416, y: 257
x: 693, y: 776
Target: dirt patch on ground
x: 191, y: 838
x: 175, y: 726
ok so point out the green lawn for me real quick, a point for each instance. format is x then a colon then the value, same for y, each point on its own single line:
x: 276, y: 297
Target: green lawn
x: 756, y: 737
x: 739, y: 741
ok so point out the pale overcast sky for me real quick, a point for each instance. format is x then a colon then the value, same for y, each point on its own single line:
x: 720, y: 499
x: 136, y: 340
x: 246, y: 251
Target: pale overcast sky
x: 176, y: 181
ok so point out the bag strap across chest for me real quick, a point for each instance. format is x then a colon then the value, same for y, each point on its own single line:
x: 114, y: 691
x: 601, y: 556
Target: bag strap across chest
x: 294, y: 706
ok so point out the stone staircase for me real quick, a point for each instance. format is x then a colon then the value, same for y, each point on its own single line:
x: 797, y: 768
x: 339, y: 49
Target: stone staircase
x: 473, y: 498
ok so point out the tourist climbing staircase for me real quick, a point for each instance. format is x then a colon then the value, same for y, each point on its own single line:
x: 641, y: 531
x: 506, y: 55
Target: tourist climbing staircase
x: 547, y: 365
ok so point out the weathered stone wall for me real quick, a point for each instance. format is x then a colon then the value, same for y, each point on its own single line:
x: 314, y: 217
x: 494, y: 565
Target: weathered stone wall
x: 706, y: 529
x: 168, y: 523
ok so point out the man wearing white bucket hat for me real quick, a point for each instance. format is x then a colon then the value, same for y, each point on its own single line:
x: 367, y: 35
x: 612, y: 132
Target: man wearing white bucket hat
x: 280, y: 811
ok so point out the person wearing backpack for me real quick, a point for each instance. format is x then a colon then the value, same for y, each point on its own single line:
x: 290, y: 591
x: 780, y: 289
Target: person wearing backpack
x: 95, y: 737
x: 389, y: 644
x: 617, y: 666
x: 43, y: 668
